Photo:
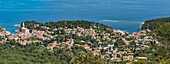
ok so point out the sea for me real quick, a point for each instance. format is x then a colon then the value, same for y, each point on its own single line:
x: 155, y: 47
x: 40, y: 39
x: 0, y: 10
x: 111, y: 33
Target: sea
x: 126, y: 15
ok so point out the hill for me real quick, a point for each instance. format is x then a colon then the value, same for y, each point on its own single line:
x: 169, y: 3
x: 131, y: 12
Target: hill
x: 77, y: 41
x: 161, y: 27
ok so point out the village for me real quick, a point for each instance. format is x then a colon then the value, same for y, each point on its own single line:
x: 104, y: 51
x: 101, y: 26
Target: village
x: 111, y: 44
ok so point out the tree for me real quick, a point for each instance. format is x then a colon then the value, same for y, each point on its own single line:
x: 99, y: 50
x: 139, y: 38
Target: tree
x: 140, y: 62
x: 86, y: 58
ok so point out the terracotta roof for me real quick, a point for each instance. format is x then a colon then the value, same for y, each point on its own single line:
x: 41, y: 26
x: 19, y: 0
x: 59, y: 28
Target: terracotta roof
x: 117, y: 52
x: 85, y: 46
x: 125, y: 56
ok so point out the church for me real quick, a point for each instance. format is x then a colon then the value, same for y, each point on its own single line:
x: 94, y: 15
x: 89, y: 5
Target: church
x: 24, y: 30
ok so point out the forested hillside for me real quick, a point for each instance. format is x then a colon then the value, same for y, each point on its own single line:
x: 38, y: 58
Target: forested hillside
x: 14, y: 53
x: 161, y: 27
x: 153, y: 24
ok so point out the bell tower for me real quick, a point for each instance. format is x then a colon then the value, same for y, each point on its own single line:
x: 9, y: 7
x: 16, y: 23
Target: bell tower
x: 23, y: 25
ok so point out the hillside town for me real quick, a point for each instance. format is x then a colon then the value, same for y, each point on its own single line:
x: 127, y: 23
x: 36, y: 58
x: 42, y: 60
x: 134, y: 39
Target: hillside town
x: 111, y: 44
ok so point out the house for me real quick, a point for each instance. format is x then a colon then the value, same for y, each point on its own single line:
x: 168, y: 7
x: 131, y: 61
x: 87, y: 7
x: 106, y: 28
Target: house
x: 128, y: 62
x: 86, y: 46
x: 141, y: 58
x: 23, y: 42
x: 118, y: 54
x: 25, y: 30
x: 117, y: 59
x: 77, y: 44
x: 10, y: 37
x: 127, y: 58
x: 125, y: 41
x: 37, y: 41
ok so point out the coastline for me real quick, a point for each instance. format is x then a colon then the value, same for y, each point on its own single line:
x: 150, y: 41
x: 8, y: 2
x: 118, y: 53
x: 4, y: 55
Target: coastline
x: 16, y: 26
x: 135, y: 22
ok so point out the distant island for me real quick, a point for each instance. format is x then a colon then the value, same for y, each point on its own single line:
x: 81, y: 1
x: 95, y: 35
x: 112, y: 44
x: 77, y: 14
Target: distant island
x: 85, y: 42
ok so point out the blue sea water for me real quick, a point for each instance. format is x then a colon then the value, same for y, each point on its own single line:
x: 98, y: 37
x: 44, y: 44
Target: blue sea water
x: 16, y: 11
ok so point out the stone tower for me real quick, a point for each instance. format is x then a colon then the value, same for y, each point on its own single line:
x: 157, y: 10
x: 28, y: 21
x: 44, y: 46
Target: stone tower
x: 23, y: 25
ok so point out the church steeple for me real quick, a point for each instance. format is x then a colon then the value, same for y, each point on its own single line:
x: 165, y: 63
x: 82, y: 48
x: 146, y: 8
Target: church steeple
x: 24, y: 30
x: 23, y: 25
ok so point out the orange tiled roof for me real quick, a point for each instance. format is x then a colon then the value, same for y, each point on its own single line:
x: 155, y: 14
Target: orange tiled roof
x: 117, y: 52
x: 125, y: 56
x: 85, y: 46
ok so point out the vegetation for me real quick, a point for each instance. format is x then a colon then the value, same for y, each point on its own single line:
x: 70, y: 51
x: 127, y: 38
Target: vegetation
x: 33, y: 38
x: 13, y: 53
x: 73, y: 24
x: 161, y: 28
x: 140, y: 62
x: 153, y: 24
x: 86, y: 58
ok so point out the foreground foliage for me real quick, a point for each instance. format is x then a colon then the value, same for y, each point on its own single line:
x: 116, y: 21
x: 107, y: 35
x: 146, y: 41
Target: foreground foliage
x: 13, y: 53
